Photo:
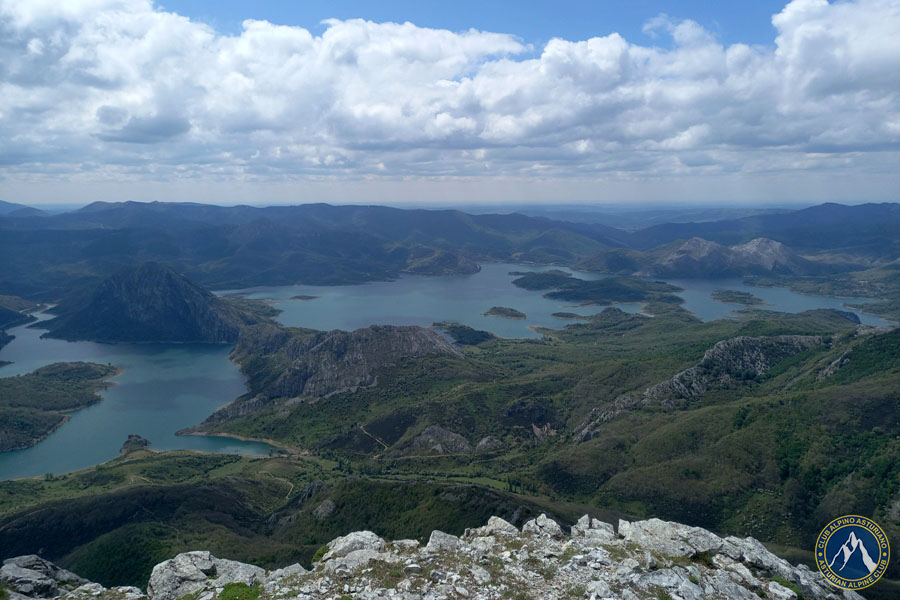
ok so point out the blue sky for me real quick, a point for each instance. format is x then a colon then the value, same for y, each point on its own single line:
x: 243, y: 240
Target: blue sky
x: 426, y: 102
x: 535, y: 21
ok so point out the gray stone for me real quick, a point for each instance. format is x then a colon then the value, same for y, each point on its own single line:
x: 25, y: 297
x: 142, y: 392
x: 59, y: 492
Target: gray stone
x: 480, y: 575
x: 324, y: 510
x: 358, y: 540
x: 777, y: 591
x: 442, y: 542
x: 193, y: 572
x: 670, y: 539
x: 488, y: 444
x: 28, y: 582
x: 544, y: 526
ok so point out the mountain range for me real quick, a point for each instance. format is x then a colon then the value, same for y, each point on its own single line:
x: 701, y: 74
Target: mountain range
x: 242, y: 246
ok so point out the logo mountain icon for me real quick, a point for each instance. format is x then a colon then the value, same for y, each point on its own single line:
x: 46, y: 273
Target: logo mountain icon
x: 849, y: 548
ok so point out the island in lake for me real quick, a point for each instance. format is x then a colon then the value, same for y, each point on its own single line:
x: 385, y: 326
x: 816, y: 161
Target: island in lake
x: 737, y: 297
x: 569, y: 315
x: 303, y: 297
x: 505, y: 312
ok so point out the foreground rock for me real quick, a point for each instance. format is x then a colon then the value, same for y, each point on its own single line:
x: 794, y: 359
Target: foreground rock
x: 647, y: 559
x: 199, y: 572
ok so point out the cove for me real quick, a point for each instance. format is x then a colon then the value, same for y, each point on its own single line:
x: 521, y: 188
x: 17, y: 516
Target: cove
x: 163, y: 388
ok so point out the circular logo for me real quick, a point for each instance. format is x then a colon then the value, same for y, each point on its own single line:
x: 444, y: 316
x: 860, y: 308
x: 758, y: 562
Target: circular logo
x: 852, y: 552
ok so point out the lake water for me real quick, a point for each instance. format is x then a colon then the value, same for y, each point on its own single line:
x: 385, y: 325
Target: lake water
x: 420, y: 300
x: 167, y: 387
x: 698, y: 300
x: 162, y: 389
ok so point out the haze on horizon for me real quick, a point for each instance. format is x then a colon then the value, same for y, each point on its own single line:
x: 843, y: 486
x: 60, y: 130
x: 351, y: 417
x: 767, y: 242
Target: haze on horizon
x: 128, y: 100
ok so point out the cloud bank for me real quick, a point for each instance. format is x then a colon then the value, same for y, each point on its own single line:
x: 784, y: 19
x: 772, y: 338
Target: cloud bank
x: 120, y: 89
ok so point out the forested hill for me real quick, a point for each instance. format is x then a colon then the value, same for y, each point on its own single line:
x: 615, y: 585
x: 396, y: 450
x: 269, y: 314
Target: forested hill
x: 241, y: 246
x: 230, y: 247
x: 864, y: 229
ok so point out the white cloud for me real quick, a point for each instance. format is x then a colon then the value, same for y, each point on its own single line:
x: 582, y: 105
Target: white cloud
x: 117, y: 88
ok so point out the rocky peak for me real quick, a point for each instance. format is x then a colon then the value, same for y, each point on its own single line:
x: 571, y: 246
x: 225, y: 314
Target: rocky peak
x: 646, y: 559
x: 148, y: 303
x: 768, y: 254
x: 702, y: 258
x: 699, y: 248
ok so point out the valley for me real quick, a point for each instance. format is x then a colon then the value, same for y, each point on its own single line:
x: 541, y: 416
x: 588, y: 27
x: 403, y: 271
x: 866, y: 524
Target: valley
x: 711, y: 401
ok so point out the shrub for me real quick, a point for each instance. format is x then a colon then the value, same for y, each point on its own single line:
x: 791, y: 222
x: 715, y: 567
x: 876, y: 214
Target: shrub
x: 239, y: 591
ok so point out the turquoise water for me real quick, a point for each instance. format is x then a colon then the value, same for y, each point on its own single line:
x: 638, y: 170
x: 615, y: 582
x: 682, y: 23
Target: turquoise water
x: 163, y: 388
x: 167, y: 387
x: 698, y: 300
x: 418, y: 300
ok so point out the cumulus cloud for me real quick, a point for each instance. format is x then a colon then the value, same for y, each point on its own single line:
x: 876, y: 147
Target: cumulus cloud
x: 120, y: 86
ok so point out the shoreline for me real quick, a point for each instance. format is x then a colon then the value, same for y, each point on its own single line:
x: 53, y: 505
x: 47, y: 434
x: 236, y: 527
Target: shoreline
x: 102, y: 385
x: 243, y: 438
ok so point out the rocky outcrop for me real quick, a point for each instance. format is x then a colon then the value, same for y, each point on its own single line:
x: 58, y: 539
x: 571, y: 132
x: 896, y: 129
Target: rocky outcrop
x: 488, y: 444
x: 647, y: 559
x: 33, y: 577
x: 432, y: 261
x: 437, y: 440
x: 133, y: 444
x: 199, y: 573
x: 148, y: 303
x: 287, y: 363
x: 701, y: 258
x: 725, y: 365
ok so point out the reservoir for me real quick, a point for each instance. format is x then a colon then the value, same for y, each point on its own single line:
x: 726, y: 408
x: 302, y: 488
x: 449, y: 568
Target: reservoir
x: 166, y: 387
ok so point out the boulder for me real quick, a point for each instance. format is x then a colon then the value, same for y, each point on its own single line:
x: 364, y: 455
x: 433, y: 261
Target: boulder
x: 193, y: 572
x: 544, y: 526
x: 358, y: 540
x: 28, y: 582
x: 34, y: 577
x: 442, y: 542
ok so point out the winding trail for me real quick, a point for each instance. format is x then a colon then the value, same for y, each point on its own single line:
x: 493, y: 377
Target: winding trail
x: 291, y: 489
x: 376, y: 438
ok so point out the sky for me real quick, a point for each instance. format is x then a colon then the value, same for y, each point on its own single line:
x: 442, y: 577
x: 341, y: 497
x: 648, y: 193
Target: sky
x: 411, y: 102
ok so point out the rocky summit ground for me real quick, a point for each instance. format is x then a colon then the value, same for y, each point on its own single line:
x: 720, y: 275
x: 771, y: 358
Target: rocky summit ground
x: 650, y: 559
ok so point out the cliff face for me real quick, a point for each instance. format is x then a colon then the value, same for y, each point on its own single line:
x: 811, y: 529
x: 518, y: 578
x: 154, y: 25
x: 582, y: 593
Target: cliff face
x: 647, y: 559
x: 285, y: 363
x: 725, y: 365
x: 148, y: 303
x: 329, y: 362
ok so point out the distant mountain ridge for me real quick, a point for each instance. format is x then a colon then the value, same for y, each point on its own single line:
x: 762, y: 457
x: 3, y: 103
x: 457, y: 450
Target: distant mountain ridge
x: 864, y: 229
x: 698, y: 257
x: 319, y: 244
x: 19, y: 210
x: 148, y: 303
x: 242, y: 246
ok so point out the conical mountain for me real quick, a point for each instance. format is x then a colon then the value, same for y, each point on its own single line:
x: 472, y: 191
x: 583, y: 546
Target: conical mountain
x: 148, y: 303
